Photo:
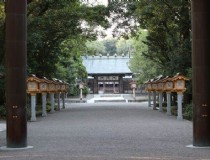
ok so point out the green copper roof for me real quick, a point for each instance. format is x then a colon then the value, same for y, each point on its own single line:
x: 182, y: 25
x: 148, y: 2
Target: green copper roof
x: 106, y: 65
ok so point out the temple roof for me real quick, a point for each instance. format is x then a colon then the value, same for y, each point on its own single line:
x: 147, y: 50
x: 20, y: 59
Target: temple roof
x: 106, y: 65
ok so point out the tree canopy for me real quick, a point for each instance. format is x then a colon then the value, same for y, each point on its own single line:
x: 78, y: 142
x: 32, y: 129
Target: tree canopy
x: 168, y: 38
x: 59, y: 32
x: 52, y: 22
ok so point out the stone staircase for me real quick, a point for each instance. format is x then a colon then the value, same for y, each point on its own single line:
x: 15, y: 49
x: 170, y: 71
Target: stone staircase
x: 107, y: 98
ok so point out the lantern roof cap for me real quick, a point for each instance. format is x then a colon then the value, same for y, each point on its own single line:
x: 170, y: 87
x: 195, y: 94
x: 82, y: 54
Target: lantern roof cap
x: 179, y: 76
x: 33, y: 77
x: 44, y: 79
x: 166, y: 79
x: 158, y: 78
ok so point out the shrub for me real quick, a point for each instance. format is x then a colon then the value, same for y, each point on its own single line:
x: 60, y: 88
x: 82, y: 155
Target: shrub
x: 188, y: 111
x: 74, y: 91
x: 86, y: 90
x: 2, y: 112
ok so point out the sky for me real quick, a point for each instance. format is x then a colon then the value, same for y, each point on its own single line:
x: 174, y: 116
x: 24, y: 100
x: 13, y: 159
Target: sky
x: 96, y: 2
x: 108, y: 31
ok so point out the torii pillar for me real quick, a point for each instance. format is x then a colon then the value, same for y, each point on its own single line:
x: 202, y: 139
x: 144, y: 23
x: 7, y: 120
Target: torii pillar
x: 201, y: 72
x: 16, y: 51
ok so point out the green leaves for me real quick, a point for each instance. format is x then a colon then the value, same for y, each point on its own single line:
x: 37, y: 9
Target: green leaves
x: 56, y: 36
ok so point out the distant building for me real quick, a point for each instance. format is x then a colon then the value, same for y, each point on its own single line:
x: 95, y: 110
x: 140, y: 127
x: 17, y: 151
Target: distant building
x: 108, y: 74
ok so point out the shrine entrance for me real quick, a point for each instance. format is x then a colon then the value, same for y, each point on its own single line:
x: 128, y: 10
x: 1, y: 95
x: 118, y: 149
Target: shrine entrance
x: 16, y: 69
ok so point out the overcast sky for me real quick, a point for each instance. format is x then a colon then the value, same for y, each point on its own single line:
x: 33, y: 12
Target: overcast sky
x: 96, y: 2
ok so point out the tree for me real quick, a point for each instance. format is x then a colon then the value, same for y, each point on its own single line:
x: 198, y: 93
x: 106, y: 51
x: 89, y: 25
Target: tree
x: 2, y: 49
x: 142, y: 67
x: 110, y: 45
x: 70, y: 64
x: 168, y: 24
x: 125, y: 47
x: 95, y: 47
x: 52, y: 22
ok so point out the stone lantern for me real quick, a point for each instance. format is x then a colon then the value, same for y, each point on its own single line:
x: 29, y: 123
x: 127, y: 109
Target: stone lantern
x: 57, y: 90
x: 154, y: 88
x: 154, y: 85
x: 32, y: 89
x: 81, y: 87
x: 160, y: 89
x: 57, y: 85
x: 33, y: 84
x: 63, y: 92
x: 179, y: 82
x: 63, y: 87
x: 148, y: 88
x: 133, y: 87
x: 44, y: 89
x: 168, y: 88
x: 51, y: 91
x: 179, y: 88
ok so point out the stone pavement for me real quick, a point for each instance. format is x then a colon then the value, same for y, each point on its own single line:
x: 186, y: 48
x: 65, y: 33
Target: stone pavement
x: 2, y: 126
x: 96, y: 98
x: 107, y: 131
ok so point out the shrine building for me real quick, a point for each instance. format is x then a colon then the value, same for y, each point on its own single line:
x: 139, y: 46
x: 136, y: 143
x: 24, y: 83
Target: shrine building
x: 108, y: 74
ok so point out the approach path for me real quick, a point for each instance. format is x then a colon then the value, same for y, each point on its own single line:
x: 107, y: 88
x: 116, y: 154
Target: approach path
x: 107, y: 131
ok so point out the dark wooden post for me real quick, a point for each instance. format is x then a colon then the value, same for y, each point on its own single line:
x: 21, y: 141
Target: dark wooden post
x: 95, y: 84
x: 16, y: 49
x: 201, y: 72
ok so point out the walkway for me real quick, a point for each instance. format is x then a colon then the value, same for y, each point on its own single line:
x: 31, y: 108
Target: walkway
x: 107, y: 131
x: 96, y: 98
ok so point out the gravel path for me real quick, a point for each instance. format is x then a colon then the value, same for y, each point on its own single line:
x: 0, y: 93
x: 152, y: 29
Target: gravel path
x: 107, y: 131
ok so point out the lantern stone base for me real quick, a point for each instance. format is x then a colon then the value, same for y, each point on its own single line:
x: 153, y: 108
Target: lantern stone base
x: 154, y: 101
x: 44, y: 111
x: 180, y: 97
x: 5, y: 148
x: 33, y: 107
x: 169, y: 104
x: 149, y: 99
x: 197, y: 147
x: 160, y: 102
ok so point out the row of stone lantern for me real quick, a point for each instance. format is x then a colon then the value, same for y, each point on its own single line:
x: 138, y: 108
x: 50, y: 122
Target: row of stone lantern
x: 43, y: 86
x: 167, y: 84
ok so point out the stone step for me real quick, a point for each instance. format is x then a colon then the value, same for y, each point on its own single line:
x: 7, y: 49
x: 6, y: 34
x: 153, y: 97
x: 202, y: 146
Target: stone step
x: 76, y: 101
x: 108, y: 100
x: 111, y: 95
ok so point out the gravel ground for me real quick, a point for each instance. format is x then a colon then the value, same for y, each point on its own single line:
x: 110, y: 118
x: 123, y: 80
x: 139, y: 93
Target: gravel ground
x: 107, y: 131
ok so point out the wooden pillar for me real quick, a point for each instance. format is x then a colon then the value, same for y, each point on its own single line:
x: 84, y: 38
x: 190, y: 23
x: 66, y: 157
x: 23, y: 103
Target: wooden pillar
x: 201, y: 72
x: 16, y: 50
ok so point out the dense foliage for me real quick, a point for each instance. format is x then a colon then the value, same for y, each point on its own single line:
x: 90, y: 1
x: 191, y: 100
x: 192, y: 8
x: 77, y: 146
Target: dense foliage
x: 168, y: 38
x: 56, y: 35
x: 166, y: 49
x: 58, y: 32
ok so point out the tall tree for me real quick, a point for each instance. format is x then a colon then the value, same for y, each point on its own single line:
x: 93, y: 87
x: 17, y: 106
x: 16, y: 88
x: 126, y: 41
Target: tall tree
x: 110, y: 45
x: 50, y: 23
x: 142, y: 67
x: 95, y: 47
x: 168, y: 24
